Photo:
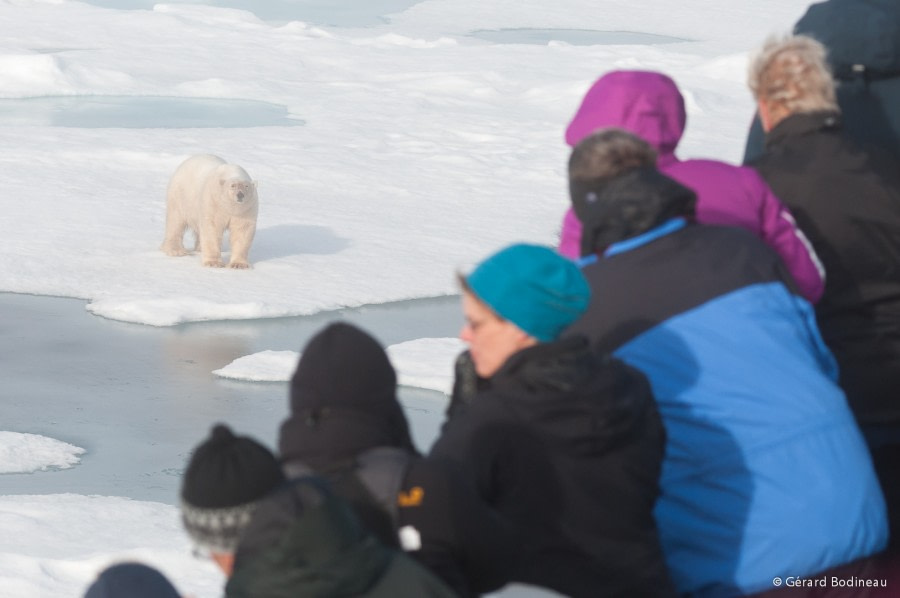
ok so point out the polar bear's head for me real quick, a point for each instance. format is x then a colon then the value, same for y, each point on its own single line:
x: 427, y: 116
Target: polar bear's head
x: 236, y: 187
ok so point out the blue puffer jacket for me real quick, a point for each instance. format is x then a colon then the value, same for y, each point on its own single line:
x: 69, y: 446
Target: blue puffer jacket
x: 766, y: 473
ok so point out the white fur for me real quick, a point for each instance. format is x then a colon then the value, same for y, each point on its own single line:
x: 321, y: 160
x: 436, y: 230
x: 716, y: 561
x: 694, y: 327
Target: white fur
x: 209, y: 196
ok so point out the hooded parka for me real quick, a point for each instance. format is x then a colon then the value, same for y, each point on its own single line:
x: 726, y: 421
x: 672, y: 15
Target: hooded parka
x: 650, y: 105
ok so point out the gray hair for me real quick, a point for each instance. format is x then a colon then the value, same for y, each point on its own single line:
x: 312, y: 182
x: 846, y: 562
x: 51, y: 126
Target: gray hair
x: 609, y: 152
x: 792, y: 71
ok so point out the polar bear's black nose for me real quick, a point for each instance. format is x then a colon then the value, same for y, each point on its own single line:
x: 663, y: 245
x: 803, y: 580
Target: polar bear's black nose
x: 240, y: 196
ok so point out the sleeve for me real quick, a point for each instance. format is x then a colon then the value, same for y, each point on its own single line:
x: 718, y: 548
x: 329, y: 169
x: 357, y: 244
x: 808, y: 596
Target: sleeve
x: 463, y: 444
x: 463, y: 541
x: 780, y: 231
x: 465, y: 384
x: 570, y: 236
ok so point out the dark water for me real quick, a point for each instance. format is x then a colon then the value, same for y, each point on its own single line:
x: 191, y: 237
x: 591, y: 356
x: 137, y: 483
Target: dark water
x: 139, y: 398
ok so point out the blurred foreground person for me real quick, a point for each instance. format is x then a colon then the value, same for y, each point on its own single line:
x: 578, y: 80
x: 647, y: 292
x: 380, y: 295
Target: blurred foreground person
x: 277, y: 539
x: 650, y: 105
x: 848, y: 202
x: 131, y: 580
x: 347, y: 425
x: 765, y: 471
x: 563, y: 442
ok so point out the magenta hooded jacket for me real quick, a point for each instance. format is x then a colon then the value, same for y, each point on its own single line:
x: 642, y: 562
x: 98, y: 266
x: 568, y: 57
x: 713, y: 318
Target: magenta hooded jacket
x: 649, y: 105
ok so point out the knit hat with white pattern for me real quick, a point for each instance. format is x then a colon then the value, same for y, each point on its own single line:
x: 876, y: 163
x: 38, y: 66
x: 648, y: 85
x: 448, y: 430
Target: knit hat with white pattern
x: 224, y: 480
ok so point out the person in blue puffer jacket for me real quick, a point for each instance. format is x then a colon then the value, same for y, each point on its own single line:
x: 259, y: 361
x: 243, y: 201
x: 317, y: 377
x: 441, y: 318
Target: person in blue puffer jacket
x: 766, y: 473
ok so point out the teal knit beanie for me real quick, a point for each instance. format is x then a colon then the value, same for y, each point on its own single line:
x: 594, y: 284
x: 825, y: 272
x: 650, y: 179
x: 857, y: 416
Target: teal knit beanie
x: 533, y: 287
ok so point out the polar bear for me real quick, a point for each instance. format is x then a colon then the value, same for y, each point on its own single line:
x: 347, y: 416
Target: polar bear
x: 210, y: 196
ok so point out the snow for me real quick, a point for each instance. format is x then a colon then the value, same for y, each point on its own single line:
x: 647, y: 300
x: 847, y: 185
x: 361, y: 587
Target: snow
x: 390, y: 153
x: 423, y: 363
x: 25, y: 453
x: 265, y: 366
x: 55, y: 545
x: 426, y: 362
x: 414, y: 131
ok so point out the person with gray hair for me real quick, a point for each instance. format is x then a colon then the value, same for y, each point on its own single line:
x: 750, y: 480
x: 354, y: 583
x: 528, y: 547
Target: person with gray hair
x: 861, y: 38
x: 791, y: 75
x: 847, y: 201
x: 765, y: 473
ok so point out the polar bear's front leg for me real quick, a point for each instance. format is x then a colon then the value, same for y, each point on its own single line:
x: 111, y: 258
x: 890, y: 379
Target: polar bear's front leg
x: 241, y: 235
x: 211, y: 243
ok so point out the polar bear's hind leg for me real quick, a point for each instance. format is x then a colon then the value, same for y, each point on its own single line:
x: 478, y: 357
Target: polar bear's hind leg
x: 173, y: 244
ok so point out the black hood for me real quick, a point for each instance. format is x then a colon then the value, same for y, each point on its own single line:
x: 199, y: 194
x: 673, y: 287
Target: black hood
x: 343, y: 400
x: 618, y: 208
x: 584, y: 402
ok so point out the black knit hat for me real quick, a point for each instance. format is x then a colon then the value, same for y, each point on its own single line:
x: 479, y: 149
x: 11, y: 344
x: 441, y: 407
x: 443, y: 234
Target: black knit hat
x: 343, y: 366
x: 225, y: 477
x: 343, y: 399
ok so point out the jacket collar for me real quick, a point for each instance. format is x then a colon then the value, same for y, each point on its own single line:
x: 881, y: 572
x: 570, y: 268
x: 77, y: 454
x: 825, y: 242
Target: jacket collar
x: 801, y: 124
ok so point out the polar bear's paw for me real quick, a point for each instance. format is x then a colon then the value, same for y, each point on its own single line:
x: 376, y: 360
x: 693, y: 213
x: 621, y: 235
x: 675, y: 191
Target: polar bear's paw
x: 214, y: 264
x: 174, y: 251
x: 239, y: 265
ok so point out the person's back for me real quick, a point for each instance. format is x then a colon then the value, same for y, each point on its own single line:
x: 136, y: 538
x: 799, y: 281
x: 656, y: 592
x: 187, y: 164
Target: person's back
x: 851, y: 208
x: 304, y: 541
x: 766, y: 473
x: 562, y: 441
x: 347, y: 425
x: 849, y: 201
x: 650, y: 105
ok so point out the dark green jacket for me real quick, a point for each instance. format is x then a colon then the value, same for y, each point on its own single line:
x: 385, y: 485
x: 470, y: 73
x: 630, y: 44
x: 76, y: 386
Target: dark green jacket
x: 305, y: 542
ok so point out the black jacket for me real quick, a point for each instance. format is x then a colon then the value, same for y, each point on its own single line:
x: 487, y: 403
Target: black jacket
x: 861, y: 39
x: 347, y: 425
x: 304, y: 541
x: 847, y: 202
x: 567, y: 444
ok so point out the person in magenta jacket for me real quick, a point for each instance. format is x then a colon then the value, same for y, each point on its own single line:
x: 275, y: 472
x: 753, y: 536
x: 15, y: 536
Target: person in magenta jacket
x: 649, y: 105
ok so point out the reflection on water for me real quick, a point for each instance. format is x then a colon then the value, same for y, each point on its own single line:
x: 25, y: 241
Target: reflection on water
x: 336, y: 13
x: 139, y: 398
x: 575, y: 37
x: 140, y: 112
